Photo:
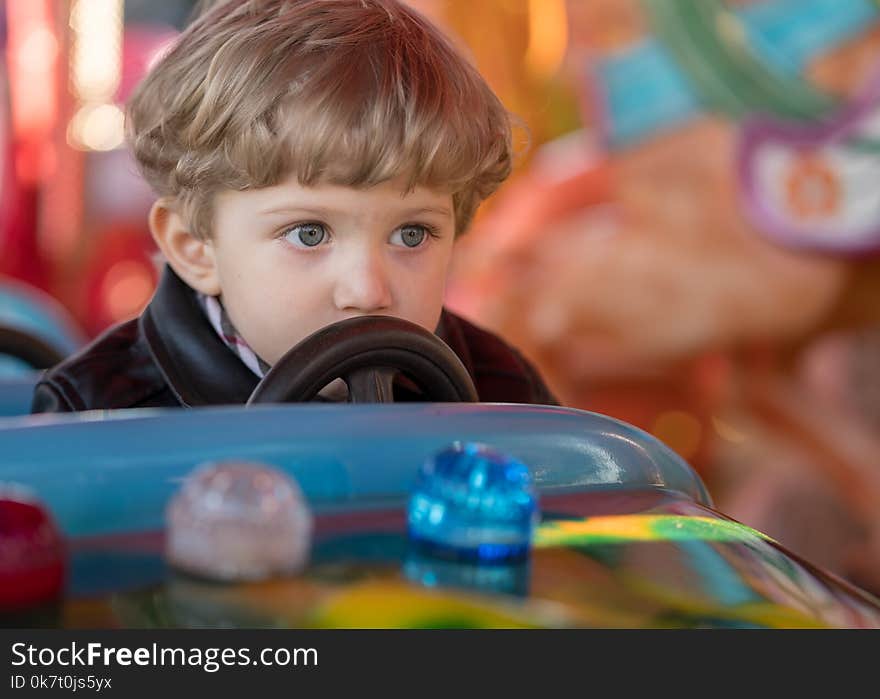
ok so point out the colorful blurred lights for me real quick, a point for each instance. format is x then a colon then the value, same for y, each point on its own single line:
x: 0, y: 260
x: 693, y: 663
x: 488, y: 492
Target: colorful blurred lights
x: 98, y: 127
x: 548, y: 37
x: 126, y: 289
x: 96, y: 73
x: 96, y: 53
x: 680, y: 431
x: 37, y: 51
x: 32, y: 53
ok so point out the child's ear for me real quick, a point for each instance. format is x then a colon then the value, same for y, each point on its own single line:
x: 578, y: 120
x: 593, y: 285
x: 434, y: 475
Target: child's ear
x: 191, y: 257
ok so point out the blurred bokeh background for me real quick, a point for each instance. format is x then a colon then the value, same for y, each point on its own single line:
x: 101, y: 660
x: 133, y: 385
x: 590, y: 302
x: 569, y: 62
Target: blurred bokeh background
x: 689, y: 241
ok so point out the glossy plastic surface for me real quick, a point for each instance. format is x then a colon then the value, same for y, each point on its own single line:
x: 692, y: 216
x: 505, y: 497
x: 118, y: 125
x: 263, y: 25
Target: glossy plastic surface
x: 608, y: 559
x: 114, y: 472
x: 28, y: 309
x: 16, y: 388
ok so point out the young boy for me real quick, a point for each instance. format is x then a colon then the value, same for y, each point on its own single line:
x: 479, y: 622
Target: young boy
x: 314, y: 161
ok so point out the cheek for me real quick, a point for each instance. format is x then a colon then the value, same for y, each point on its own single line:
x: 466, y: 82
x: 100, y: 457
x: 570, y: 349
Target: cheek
x: 420, y: 291
x: 262, y: 292
x: 280, y: 299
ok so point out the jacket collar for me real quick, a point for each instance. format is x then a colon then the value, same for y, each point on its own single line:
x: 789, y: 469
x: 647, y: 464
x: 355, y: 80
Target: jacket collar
x: 199, y: 368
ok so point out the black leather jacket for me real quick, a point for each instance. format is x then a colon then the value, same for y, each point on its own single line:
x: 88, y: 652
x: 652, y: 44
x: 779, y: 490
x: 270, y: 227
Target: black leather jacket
x: 171, y: 356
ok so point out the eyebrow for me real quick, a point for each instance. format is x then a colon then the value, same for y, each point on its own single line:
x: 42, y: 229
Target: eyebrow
x: 441, y: 210
x: 296, y: 209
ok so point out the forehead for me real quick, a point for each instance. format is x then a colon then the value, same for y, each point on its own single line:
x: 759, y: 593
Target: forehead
x: 389, y: 197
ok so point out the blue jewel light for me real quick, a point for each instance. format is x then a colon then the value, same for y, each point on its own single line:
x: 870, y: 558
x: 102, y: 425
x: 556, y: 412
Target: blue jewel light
x: 472, y: 502
x: 493, y: 577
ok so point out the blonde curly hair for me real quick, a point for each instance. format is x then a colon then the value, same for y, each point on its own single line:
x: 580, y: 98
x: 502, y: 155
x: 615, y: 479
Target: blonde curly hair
x: 348, y: 92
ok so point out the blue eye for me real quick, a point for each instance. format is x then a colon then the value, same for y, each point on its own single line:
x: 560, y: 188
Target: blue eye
x: 409, y: 236
x: 306, y: 235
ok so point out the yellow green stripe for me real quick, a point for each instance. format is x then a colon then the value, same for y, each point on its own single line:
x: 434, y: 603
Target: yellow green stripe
x: 629, y: 528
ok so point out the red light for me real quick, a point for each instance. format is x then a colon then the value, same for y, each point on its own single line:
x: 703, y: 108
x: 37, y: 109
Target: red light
x: 32, y: 55
x: 126, y: 289
x: 31, y: 556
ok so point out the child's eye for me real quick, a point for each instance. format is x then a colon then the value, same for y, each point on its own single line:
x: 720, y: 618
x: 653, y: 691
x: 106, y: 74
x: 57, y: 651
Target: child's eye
x: 409, y: 236
x: 306, y: 235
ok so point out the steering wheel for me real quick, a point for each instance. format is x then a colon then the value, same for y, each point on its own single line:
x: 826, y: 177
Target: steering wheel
x: 367, y: 352
x: 29, y: 348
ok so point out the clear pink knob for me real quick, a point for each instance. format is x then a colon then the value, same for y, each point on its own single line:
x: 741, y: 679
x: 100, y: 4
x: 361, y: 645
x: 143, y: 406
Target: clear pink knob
x: 236, y: 521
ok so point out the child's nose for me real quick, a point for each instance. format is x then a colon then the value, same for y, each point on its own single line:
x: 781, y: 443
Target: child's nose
x: 363, y: 286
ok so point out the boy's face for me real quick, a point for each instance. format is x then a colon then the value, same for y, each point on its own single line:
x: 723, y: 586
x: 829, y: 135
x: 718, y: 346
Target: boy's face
x: 290, y: 259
